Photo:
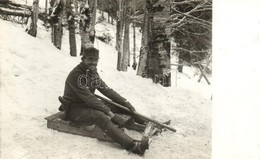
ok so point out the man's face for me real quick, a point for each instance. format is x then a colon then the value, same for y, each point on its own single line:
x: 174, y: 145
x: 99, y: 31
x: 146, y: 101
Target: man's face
x: 91, y: 62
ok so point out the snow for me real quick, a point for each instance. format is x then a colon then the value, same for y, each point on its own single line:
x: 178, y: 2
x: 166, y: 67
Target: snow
x: 33, y: 73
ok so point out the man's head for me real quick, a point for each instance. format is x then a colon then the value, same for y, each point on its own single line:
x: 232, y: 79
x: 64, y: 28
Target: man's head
x: 90, y: 57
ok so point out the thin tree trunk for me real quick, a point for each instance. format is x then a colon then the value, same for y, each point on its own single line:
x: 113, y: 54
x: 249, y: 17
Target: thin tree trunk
x: 134, y: 47
x: 134, y: 44
x: 126, y: 51
x: 71, y: 22
x: 59, y: 27
x: 119, y: 36
x: 108, y: 18
x: 87, y: 23
x: 142, y: 70
x: 34, y: 17
x: 117, y: 31
x: 57, y: 16
x: 102, y: 8
x: 46, y: 12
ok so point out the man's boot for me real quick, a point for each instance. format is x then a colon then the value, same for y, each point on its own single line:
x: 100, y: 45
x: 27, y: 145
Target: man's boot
x: 124, y: 140
x: 140, y: 146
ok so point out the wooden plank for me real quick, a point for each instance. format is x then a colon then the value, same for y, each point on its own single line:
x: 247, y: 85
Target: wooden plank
x: 56, y: 122
x: 56, y: 115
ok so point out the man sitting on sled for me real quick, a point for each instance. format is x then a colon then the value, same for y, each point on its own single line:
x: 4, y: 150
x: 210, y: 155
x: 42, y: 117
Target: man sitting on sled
x: 84, y: 106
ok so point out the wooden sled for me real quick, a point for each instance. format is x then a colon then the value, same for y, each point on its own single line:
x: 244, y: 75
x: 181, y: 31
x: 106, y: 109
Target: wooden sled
x: 57, y: 122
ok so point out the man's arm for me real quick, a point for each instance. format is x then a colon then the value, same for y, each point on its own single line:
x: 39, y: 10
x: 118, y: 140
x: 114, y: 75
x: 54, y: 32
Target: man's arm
x: 113, y: 95
x: 110, y: 93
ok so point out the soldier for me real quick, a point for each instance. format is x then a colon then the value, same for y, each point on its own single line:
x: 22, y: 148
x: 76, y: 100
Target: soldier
x: 84, y: 106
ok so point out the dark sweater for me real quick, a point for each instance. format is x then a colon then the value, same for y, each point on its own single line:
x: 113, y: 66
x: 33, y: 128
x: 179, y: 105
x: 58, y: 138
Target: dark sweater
x: 81, y: 84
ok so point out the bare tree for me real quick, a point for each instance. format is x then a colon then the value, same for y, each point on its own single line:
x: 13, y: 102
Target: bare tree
x: 146, y: 32
x: 57, y: 11
x: 87, y: 24
x: 119, y: 29
x: 191, y: 29
x: 34, y: 17
x: 71, y: 13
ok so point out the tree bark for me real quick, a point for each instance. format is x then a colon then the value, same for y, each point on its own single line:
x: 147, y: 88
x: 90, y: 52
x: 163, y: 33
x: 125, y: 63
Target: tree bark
x: 34, y: 17
x: 59, y: 28
x: 142, y: 71
x: 159, y: 66
x: 102, y: 8
x: 154, y: 59
x: 134, y: 48
x: 126, y: 50
x: 120, y: 26
x: 46, y: 13
x: 87, y: 25
x: 112, y: 20
x: 70, y: 12
x: 56, y: 24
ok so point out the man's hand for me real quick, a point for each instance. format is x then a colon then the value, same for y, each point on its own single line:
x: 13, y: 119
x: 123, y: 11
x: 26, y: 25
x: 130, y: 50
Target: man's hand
x: 129, y: 106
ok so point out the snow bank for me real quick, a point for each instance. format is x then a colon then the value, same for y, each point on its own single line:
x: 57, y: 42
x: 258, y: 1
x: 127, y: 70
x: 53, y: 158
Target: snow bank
x: 33, y: 72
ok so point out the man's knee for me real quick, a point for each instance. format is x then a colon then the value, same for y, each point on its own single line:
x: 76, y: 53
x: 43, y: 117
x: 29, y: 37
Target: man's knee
x: 101, y: 118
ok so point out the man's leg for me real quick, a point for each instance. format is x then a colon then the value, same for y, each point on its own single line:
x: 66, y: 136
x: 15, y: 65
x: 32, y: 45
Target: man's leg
x: 136, y: 118
x: 82, y: 114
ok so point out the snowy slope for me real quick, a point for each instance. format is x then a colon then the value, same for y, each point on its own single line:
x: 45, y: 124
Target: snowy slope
x: 33, y: 73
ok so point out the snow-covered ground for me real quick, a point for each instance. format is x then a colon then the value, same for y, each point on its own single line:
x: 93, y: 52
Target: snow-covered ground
x: 33, y: 73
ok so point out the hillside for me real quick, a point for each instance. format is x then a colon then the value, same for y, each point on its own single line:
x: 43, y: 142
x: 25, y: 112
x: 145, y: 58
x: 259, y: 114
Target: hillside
x: 33, y: 73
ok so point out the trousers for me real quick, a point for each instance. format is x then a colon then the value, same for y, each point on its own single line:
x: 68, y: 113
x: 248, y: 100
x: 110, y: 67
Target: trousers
x: 81, y: 113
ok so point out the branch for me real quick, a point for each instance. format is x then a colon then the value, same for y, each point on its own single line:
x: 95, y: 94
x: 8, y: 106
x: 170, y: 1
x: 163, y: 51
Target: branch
x: 195, y: 9
x: 184, y: 2
x: 15, y: 13
x: 192, y: 52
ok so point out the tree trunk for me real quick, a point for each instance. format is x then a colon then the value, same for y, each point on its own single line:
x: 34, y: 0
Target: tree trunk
x: 142, y: 71
x: 59, y: 28
x: 108, y: 18
x: 158, y: 63
x: 134, y: 47
x: 180, y: 67
x: 56, y: 22
x: 120, y: 27
x: 70, y: 12
x: 34, y: 17
x: 87, y: 25
x: 126, y: 50
x: 102, y: 8
x: 159, y: 66
x: 118, y: 31
x: 154, y: 59
x: 46, y: 13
